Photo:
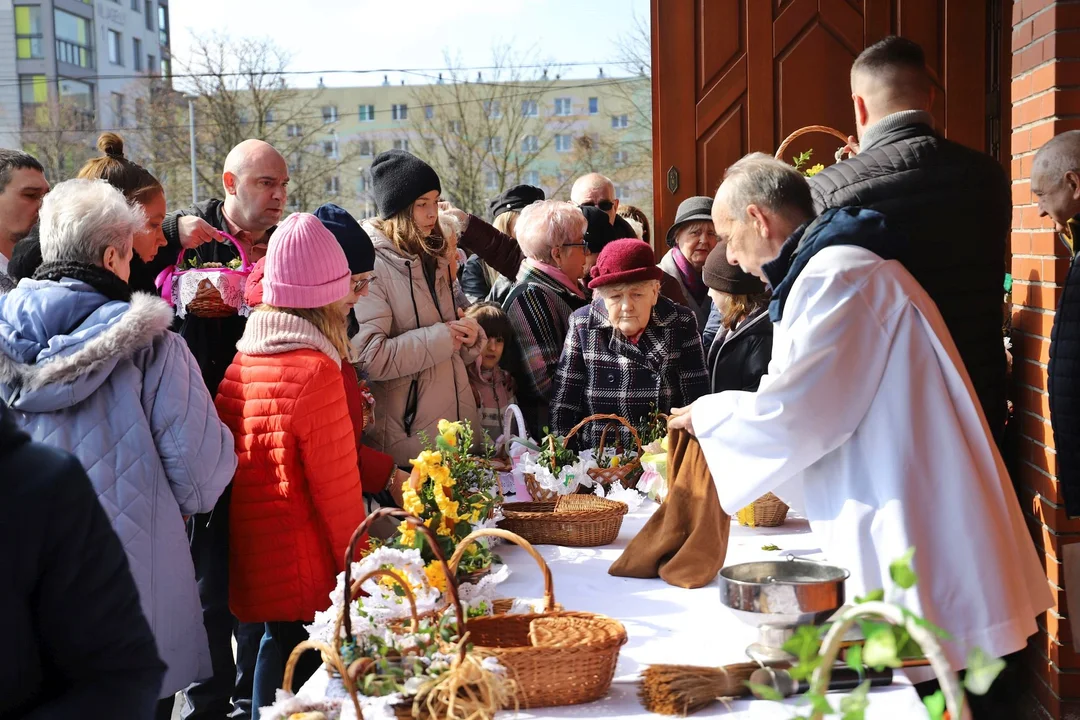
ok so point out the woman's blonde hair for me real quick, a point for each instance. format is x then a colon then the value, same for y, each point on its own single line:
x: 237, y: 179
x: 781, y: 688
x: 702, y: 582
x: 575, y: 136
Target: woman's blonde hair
x: 327, y: 319
x: 403, y: 231
x: 740, y: 306
x: 506, y: 222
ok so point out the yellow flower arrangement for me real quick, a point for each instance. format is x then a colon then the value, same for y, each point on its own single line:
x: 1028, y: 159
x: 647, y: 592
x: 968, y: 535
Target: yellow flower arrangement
x: 408, y: 533
x: 812, y: 171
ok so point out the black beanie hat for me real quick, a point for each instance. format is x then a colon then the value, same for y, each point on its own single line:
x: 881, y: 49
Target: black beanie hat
x: 350, y: 236
x: 518, y: 197
x: 721, y: 275
x: 599, y: 231
x: 399, y: 178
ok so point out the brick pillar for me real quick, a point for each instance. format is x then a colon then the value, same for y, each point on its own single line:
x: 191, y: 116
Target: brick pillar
x: 1045, y: 101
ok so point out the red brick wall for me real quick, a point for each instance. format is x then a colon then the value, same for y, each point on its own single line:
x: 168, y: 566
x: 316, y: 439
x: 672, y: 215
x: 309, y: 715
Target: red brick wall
x: 1045, y: 101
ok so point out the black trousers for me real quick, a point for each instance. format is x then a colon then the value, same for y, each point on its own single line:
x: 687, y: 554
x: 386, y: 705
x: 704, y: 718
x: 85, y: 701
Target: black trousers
x: 1002, y: 702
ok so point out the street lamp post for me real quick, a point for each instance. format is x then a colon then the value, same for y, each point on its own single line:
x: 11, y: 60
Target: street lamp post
x: 191, y: 131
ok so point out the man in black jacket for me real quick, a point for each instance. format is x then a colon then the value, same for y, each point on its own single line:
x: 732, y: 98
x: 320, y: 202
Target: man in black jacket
x: 952, y: 202
x: 1055, y: 182
x: 255, y: 180
x: 76, y: 642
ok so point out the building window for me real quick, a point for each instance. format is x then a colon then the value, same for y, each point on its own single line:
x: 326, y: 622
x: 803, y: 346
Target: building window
x: 163, y: 25
x: 117, y: 102
x: 429, y: 112
x: 367, y: 113
x: 491, y: 180
x: 116, y: 53
x: 492, y: 109
x: 136, y: 54
x: 495, y: 144
x: 148, y: 5
x: 151, y: 64
x: 455, y: 127
x: 400, y: 112
x: 620, y: 157
x: 166, y: 68
x: 293, y: 131
x: 401, y: 145
x: 532, y: 177
x: 28, y: 35
x: 619, y: 121
x: 563, y: 143
x: 136, y: 5
x: 329, y: 114
x: 73, y: 39
x: 562, y: 106
x: 529, y: 108
x: 330, y: 149
x: 33, y: 95
x: 530, y: 144
x: 268, y: 117
x: 621, y: 193
x: 79, y: 96
x: 367, y: 149
x: 594, y: 106
x: 362, y: 182
x: 333, y: 185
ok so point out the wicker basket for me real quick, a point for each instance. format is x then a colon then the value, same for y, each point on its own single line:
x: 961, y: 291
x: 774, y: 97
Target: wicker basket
x: 333, y: 661
x: 502, y: 606
x: 571, y: 521
x: 767, y: 511
x: 207, y: 302
x: 556, y: 657
x: 805, y: 131
x: 622, y: 473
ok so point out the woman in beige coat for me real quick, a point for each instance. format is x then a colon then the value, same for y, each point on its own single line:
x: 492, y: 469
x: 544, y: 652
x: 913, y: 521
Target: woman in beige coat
x: 411, y: 343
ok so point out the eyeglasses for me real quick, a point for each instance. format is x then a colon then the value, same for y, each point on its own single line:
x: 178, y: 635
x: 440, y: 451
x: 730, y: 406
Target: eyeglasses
x: 359, y: 285
x: 604, y: 205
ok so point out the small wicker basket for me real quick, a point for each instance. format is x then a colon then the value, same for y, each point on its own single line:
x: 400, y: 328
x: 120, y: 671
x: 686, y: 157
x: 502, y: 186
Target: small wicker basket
x: 502, y: 606
x: 555, y: 657
x: 807, y: 130
x: 207, y: 302
x: 621, y: 473
x: 571, y: 521
x: 767, y: 511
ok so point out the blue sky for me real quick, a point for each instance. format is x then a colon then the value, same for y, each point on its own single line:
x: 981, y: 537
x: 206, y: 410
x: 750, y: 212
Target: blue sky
x: 366, y: 34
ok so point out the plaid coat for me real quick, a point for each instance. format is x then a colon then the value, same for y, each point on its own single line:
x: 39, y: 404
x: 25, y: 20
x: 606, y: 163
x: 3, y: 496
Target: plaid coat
x: 539, y: 310
x: 600, y: 371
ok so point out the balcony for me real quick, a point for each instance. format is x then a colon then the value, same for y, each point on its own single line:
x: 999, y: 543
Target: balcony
x: 75, y: 54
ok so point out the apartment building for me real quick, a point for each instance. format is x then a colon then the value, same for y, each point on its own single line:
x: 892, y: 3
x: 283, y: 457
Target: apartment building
x: 601, y: 112
x: 81, y: 54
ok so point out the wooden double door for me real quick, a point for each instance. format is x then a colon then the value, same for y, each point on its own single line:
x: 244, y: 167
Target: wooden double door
x: 735, y: 76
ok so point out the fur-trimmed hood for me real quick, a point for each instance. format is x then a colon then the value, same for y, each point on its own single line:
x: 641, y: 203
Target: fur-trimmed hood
x: 59, y: 341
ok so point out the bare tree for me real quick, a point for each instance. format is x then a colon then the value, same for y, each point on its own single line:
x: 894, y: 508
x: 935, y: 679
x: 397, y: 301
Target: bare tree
x: 240, y: 92
x: 484, y: 134
x: 59, y: 133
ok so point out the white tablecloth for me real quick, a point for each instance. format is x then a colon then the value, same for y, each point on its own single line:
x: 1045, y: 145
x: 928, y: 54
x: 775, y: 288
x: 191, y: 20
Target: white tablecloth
x: 666, y: 624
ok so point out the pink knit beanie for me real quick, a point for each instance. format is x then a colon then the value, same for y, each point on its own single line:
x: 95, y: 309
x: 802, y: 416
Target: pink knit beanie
x: 305, y: 265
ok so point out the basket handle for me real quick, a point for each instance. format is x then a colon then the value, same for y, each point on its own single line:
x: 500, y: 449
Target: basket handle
x: 549, y: 583
x: 512, y: 412
x: 808, y: 129
x: 615, y: 418
x: 245, y: 264
x: 329, y: 655
x: 451, y: 583
x: 355, y: 590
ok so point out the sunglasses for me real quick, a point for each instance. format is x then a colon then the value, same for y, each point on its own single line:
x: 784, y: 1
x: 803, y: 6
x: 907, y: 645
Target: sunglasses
x: 359, y: 285
x: 604, y: 205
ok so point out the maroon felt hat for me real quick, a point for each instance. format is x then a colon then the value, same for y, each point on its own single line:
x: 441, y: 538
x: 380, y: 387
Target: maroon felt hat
x: 625, y: 261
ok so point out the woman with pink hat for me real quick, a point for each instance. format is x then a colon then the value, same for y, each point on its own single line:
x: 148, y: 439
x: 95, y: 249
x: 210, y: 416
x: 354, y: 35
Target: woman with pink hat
x: 297, y: 494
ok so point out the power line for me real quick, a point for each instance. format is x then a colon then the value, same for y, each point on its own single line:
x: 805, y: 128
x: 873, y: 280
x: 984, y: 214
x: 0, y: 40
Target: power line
x: 288, y: 121
x: 29, y: 79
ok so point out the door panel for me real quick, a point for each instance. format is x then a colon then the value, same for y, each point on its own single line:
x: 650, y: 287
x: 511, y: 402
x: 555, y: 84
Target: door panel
x: 734, y: 76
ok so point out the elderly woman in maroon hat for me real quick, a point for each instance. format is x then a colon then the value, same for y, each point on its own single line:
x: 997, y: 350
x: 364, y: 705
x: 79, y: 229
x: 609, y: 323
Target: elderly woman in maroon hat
x: 631, y: 351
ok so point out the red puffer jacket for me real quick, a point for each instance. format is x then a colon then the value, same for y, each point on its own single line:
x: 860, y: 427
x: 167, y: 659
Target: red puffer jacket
x: 296, y: 496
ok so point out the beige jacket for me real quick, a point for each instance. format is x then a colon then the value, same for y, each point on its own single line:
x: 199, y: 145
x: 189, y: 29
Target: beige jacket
x: 404, y: 338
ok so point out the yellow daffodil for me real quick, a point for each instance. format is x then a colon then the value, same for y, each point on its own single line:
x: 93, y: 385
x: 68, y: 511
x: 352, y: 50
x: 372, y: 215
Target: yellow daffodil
x: 444, y: 530
x: 436, y: 576
x: 812, y: 171
x: 410, y: 501
x: 408, y: 533
x: 441, y: 476
x: 390, y: 583
x: 615, y: 462
x: 450, y: 431
x: 447, y: 507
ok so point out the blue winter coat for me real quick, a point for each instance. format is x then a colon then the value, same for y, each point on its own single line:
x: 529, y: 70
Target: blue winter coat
x: 106, y: 381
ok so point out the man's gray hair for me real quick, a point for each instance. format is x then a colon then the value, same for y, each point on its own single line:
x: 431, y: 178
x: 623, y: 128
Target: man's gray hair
x: 1059, y: 155
x: 762, y: 180
x: 546, y: 225
x: 81, y: 218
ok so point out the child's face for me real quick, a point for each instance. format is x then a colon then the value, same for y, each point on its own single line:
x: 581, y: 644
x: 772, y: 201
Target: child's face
x: 492, y: 353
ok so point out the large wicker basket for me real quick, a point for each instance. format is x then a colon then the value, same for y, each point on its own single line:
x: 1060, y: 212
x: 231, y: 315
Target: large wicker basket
x: 555, y: 657
x: 571, y: 520
x: 502, y: 606
x: 767, y: 511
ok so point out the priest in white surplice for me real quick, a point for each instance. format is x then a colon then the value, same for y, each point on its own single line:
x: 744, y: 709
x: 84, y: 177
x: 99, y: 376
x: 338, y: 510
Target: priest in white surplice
x: 867, y: 403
